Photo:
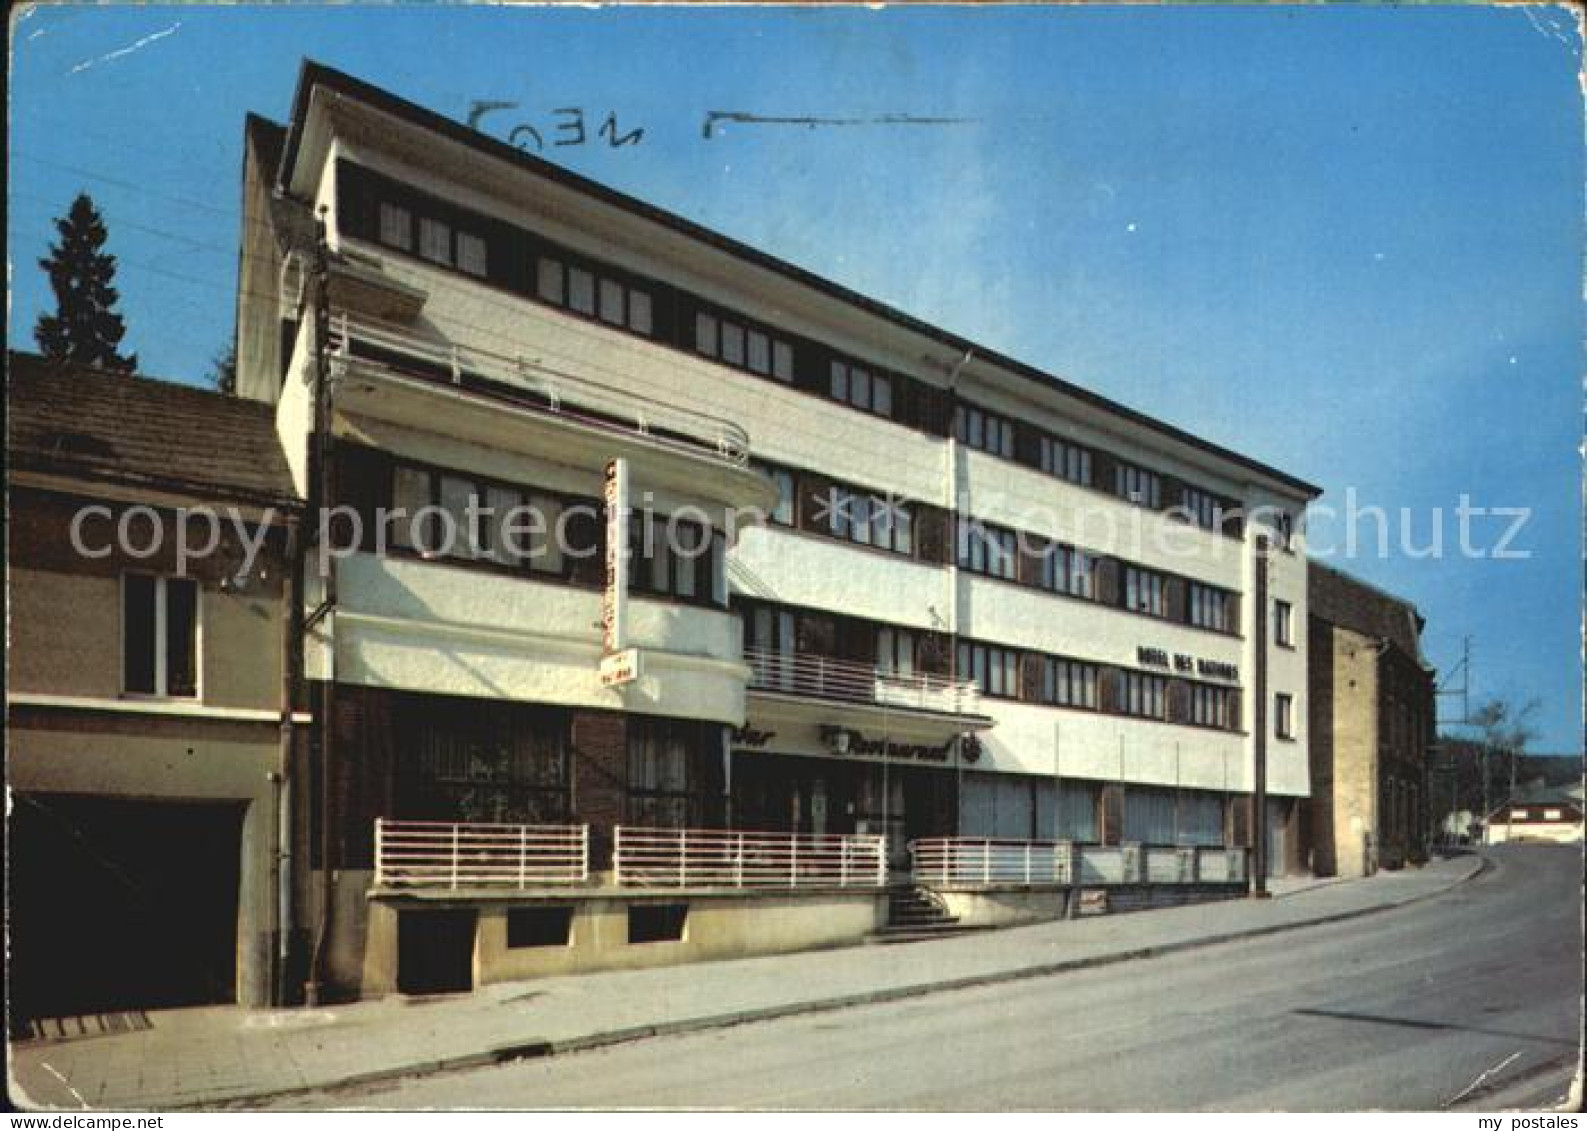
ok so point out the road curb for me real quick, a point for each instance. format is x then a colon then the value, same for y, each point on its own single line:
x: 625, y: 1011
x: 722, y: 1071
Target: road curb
x: 539, y: 1047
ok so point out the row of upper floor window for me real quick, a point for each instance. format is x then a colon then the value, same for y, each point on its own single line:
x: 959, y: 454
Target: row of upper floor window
x: 773, y: 630
x: 160, y: 655
x: 461, y: 516
x: 385, y: 211
x: 817, y: 504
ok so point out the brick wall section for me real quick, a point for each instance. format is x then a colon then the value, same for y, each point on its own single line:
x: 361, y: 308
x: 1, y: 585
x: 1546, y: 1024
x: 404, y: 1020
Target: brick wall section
x: 600, y: 778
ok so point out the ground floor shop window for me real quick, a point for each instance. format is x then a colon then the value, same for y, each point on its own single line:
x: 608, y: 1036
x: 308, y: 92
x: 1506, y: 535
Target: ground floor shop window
x: 665, y: 760
x: 1026, y: 807
x: 1155, y: 815
x: 470, y: 760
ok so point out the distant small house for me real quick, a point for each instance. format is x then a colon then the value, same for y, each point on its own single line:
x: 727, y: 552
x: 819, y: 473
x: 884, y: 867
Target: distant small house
x: 1548, y: 813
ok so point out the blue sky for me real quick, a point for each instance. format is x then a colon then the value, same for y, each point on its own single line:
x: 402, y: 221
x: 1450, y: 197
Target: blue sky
x: 1344, y: 240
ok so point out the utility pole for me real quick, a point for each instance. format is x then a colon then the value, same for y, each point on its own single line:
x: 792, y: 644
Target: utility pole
x: 1444, y: 689
x: 322, y: 496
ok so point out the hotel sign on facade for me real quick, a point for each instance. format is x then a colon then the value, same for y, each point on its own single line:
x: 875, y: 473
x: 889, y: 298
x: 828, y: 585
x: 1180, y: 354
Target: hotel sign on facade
x: 1187, y: 665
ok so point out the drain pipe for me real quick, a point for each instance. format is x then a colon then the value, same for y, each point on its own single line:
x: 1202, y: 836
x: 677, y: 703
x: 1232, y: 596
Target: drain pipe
x: 291, y: 666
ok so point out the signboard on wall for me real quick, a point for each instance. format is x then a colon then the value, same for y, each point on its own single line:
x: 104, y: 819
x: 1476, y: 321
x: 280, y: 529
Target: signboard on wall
x: 614, y: 602
x: 1186, y: 665
x: 618, y: 668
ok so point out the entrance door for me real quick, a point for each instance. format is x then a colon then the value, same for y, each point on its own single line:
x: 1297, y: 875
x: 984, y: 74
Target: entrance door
x: 119, y: 904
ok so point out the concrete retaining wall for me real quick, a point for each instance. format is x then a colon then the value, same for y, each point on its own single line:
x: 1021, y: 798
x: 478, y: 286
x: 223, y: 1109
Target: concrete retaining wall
x: 719, y: 924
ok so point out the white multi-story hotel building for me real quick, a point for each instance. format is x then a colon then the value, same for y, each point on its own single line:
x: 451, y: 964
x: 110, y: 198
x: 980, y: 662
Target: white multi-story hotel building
x: 981, y: 601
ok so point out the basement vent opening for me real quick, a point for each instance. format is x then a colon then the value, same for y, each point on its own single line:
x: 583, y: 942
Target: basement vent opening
x: 657, y: 922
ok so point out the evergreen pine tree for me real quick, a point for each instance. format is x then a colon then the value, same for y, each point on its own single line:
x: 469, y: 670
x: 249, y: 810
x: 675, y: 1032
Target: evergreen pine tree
x: 85, y: 327
x: 223, y: 370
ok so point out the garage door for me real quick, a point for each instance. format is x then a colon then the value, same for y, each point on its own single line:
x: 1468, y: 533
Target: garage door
x: 122, y: 904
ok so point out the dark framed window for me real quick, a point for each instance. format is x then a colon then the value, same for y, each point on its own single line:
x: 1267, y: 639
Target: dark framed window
x: 895, y: 652
x: 1284, y: 715
x: 988, y: 550
x: 675, y: 557
x: 1145, y: 591
x: 1212, y: 706
x: 994, y: 670
x: 159, y: 635
x: 862, y: 387
x: 602, y: 295
x: 782, y: 512
x: 1066, y: 460
x: 1211, y: 607
x: 664, y: 789
x: 1065, y: 569
x: 1284, y: 529
x: 1283, y: 624
x: 984, y: 431
x: 456, y: 516
x: 1202, y: 508
x: 396, y: 226
x: 1069, y: 683
x: 736, y: 342
x: 871, y: 520
x: 1144, y: 696
x: 1138, y: 485
x: 431, y: 236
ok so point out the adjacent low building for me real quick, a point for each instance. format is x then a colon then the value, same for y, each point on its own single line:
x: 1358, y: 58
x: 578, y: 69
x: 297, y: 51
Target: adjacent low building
x: 1371, y: 697
x: 1544, y: 813
x: 143, y: 693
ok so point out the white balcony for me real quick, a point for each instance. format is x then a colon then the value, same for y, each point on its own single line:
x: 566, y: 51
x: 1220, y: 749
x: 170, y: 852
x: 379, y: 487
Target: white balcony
x: 843, y: 681
x: 389, y: 374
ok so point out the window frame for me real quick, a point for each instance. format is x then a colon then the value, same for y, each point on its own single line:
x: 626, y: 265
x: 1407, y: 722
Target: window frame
x: 1284, y: 715
x: 1058, y: 456
x: 1283, y: 623
x: 160, y: 637
x: 973, y: 426
x: 1002, y: 660
x: 779, y: 346
x: 1130, y: 480
x: 1134, y: 576
x: 527, y: 564
x: 1198, y: 595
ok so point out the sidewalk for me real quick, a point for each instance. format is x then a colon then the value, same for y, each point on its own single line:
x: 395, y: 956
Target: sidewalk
x: 212, y: 1056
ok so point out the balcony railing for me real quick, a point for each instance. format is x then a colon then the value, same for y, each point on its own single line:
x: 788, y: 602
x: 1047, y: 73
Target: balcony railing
x: 803, y: 673
x: 532, y: 385
x: 434, y: 854
x: 679, y: 858
x: 967, y: 862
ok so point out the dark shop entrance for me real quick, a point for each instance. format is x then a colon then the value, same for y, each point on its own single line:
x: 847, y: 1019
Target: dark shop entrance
x: 122, y: 905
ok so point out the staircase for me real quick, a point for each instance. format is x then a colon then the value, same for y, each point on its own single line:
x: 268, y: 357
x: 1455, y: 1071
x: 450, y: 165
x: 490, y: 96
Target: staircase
x: 915, y: 913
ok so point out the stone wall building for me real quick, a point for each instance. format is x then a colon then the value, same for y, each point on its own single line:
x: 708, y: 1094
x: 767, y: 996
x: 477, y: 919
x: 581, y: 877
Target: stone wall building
x: 1372, y: 725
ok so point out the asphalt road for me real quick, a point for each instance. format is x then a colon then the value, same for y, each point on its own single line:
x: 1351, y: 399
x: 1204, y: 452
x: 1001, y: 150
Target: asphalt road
x: 1471, y: 997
